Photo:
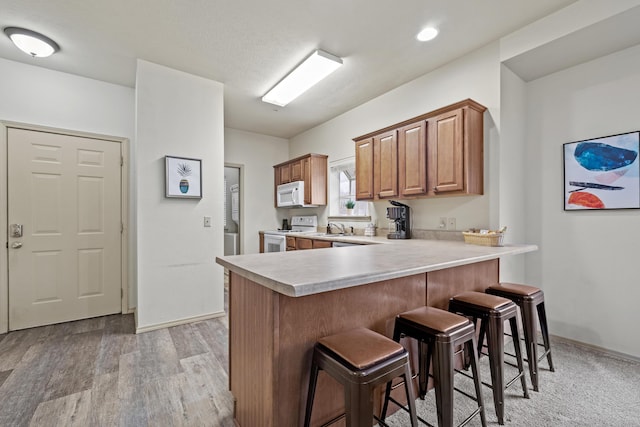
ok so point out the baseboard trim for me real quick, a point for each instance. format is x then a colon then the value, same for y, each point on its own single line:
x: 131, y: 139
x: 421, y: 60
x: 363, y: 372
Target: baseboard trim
x: 612, y: 353
x: 179, y: 322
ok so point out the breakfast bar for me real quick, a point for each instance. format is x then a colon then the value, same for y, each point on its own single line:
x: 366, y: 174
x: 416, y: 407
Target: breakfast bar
x: 281, y: 303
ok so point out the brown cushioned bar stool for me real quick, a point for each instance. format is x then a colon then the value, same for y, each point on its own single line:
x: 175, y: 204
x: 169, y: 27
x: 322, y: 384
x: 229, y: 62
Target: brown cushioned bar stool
x: 442, y: 333
x: 493, y: 311
x: 360, y: 359
x: 530, y: 299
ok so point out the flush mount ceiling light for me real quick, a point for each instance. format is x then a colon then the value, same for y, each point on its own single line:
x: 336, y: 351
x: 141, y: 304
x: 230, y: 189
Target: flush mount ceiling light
x: 316, y: 67
x: 32, y: 43
x: 427, y: 34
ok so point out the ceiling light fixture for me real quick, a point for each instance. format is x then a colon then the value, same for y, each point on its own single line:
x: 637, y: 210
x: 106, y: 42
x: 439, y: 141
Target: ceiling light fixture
x: 314, y: 68
x: 32, y: 43
x: 427, y: 34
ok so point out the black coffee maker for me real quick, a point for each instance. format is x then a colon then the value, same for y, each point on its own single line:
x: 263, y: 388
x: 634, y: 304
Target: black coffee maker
x: 401, y: 215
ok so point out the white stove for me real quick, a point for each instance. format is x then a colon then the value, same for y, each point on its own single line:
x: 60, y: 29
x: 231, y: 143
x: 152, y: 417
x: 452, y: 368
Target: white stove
x: 275, y: 240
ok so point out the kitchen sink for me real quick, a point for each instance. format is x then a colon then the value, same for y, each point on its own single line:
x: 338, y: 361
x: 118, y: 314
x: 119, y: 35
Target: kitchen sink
x: 341, y: 244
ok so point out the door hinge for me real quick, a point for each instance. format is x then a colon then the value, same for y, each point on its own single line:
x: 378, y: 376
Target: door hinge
x: 121, y: 161
x: 121, y: 227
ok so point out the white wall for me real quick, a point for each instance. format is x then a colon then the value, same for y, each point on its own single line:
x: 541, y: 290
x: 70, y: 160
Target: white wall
x: 508, y: 164
x: 588, y: 261
x: 475, y: 76
x: 44, y: 97
x: 35, y: 95
x: 257, y: 153
x: 178, y: 114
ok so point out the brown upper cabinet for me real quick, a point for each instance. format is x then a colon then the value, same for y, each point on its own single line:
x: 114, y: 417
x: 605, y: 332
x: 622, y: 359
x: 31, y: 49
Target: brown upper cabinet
x: 412, y: 159
x: 377, y: 166
x: 310, y: 168
x: 437, y: 153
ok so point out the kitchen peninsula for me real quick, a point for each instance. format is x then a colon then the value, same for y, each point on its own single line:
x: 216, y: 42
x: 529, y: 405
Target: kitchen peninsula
x: 281, y: 303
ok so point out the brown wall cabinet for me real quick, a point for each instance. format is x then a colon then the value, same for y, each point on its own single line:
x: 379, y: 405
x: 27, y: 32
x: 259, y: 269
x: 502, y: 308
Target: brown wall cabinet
x: 437, y: 153
x: 312, y: 169
x: 377, y: 166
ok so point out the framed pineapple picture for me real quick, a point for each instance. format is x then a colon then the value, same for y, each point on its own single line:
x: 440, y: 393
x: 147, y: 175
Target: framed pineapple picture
x: 183, y: 177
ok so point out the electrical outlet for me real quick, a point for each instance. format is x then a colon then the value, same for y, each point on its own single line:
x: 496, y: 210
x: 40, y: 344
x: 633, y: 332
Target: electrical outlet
x: 207, y: 221
x: 443, y: 223
x: 451, y: 223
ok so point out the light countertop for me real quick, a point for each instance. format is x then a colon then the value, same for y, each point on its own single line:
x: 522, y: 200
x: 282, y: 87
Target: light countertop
x: 308, y: 272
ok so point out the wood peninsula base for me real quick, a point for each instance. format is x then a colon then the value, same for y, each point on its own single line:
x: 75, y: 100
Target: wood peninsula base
x: 271, y: 336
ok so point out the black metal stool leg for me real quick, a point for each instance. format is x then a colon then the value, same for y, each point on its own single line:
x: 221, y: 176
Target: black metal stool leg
x: 313, y: 379
x: 496, y: 363
x: 530, y: 338
x: 516, y: 344
x: 542, y: 315
x: 471, y: 348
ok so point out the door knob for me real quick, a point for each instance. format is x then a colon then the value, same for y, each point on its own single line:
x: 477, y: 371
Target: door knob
x: 16, y: 245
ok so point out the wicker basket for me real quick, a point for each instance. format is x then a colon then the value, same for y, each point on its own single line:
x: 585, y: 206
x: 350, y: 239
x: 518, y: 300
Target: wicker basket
x: 495, y: 239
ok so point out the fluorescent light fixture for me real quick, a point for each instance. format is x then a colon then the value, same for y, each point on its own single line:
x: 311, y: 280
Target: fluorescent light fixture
x: 316, y: 67
x: 427, y: 34
x: 32, y: 43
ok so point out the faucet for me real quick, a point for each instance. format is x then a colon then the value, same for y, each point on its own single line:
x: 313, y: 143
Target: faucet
x: 337, y: 225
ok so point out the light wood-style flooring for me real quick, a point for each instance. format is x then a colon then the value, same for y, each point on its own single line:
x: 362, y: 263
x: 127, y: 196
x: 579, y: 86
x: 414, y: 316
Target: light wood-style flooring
x: 98, y: 372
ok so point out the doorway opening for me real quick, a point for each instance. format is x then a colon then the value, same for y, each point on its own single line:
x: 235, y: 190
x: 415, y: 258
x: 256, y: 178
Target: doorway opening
x: 232, y: 210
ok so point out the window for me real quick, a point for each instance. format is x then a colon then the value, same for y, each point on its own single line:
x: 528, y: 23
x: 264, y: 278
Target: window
x: 343, y: 189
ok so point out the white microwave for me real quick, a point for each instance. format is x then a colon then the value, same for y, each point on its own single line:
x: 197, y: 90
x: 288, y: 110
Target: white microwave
x: 290, y: 195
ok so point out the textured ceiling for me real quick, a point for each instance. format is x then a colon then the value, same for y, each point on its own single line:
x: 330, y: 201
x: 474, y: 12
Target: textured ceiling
x: 249, y: 45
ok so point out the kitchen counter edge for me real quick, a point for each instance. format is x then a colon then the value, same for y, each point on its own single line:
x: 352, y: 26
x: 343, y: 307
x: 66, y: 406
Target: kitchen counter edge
x: 301, y: 273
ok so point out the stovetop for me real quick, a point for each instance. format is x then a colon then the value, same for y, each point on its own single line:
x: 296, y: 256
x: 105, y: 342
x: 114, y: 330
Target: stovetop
x: 299, y: 224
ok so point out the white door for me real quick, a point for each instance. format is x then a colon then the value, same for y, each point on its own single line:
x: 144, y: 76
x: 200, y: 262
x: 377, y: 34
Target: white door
x: 65, y: 193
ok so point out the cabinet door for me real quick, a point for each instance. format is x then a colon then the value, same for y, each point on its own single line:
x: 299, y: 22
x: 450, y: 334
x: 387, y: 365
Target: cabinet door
x: 295, y: 170
x: 385, y: 165
x: 412, y: 159
x: 291, y: 243
x: 305, y: 175
x: 364, y: 169
x: 446, y: 152
x: 303, y: 243
x: 285, y: 173
x: 318, y: 244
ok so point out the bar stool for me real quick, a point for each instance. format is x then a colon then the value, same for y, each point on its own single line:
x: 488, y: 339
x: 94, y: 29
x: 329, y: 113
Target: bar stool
x: 530, y: 299
x: 360, y: 359
x: 442, y: 332
x: 493, y: 311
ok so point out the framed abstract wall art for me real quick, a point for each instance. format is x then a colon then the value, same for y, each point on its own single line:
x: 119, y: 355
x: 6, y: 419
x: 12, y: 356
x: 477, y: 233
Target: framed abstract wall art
x: 183, y: 177
x: 602, y: 173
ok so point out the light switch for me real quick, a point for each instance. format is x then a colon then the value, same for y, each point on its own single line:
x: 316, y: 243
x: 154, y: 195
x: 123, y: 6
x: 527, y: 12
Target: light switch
x: 207, y: 221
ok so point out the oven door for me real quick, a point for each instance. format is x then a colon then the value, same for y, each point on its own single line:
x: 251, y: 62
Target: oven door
x: 275, y: 243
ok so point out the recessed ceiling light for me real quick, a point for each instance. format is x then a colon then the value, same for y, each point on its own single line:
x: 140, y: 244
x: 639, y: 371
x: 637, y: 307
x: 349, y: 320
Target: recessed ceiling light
x: 32, y: 43
x: 314, y: 68
x: 427, y: 34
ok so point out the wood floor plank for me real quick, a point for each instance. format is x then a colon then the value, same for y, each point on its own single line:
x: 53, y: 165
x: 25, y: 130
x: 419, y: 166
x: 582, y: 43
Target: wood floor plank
x: 210, y: 384
x: 74, y: 372
x: 171, y: 401
x: 133, y: 411
x: 216, y: 334
x: 4, y: 375
x: 69, y: 411
x: 188, y: 341
x: 105, y: 402
x: 118, y: 338
x: 156, y: 358
x: 24, y: 389
x: 16, y: 344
